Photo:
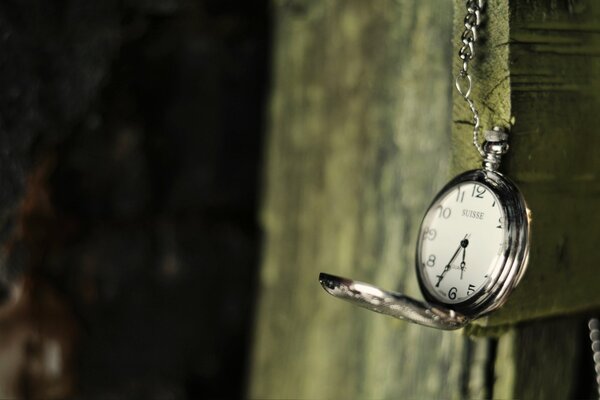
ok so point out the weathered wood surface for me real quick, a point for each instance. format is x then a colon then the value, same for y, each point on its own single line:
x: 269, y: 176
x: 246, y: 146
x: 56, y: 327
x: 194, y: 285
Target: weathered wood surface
x: 545, y: 359
x: 356, y: 136
x: 358, y: 145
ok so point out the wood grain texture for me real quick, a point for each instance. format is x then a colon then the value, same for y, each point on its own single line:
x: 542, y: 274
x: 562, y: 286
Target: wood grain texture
x: 555, y: 91
x: 358, y: 145
x: 544, y: 360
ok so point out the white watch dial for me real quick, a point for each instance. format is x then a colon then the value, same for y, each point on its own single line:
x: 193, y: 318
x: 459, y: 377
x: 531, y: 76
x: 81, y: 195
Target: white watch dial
x: 462, y: 238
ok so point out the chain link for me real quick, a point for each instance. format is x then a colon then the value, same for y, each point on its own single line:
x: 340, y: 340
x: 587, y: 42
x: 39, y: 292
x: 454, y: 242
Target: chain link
x: 463, y: 81
x: 594, y: 327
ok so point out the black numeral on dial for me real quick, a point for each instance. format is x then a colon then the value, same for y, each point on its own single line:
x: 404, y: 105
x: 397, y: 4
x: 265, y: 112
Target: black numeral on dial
x: 500, y: 223
x: 429, y: 234
x: 431, y: 261
x: 478, y: 191
x: 460, y: 195
x: 452, y: 293
x: 444, y: 212
x: 470, y: 290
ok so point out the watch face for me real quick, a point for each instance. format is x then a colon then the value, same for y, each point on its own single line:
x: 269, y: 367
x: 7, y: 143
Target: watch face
x: 462, y: 239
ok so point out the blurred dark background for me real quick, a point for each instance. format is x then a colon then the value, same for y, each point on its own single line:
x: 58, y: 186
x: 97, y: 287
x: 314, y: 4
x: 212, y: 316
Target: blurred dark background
x: 130, y: 150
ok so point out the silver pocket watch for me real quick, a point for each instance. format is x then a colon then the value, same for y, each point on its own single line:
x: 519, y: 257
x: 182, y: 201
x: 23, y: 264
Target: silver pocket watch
x: 473, y: 242
x: 471, y: 252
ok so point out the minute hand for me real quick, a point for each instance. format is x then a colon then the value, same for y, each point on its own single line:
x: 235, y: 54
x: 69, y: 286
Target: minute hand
x: 463, y: 244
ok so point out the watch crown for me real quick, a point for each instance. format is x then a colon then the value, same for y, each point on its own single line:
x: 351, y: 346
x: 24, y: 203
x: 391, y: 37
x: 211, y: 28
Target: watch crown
x: 495, y: 145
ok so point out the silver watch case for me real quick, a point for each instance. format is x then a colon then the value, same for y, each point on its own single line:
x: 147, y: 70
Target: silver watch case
x: 510, y: 265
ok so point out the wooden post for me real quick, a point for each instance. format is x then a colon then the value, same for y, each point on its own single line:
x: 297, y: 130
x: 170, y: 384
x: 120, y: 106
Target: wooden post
x: 358, y: 145
x: 357, y: 148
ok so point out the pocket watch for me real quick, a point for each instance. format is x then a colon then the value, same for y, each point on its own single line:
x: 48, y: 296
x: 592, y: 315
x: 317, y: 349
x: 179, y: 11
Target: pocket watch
x: 473, y: 242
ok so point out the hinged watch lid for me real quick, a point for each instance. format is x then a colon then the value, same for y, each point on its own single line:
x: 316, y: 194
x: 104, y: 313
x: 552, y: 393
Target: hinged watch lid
x: 393, y: 304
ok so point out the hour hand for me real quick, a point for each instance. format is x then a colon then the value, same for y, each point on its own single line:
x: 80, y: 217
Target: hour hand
x: 464, y: 243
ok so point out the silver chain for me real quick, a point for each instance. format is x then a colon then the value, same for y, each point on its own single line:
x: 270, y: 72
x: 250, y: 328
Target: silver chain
x: 594, y: 327
x: 463, y: 81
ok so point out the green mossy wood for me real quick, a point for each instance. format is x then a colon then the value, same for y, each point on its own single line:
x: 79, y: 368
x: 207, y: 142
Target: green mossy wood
x: 359, y: 140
